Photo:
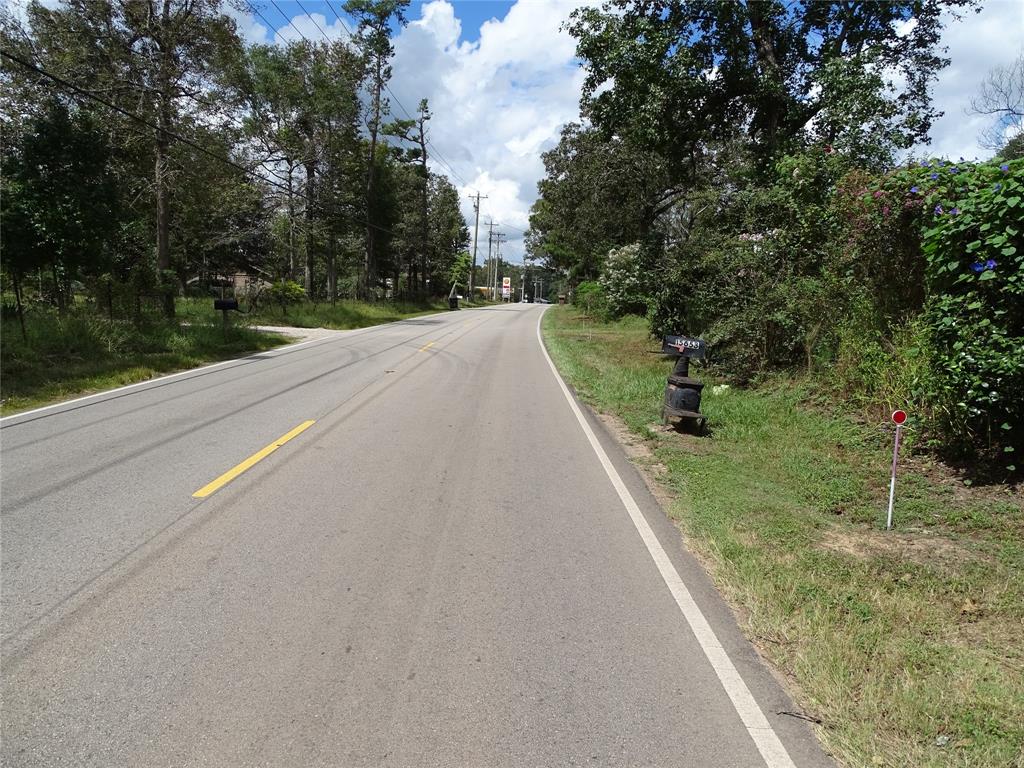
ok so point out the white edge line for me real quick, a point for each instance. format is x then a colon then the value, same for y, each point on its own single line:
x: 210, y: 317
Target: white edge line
x: 757, y: 725
x: 106, y: 392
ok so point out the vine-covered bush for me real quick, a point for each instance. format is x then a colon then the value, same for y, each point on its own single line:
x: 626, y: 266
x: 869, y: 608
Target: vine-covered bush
x: 944, y: 240
x: 974, y: 244
x: 905, y: 289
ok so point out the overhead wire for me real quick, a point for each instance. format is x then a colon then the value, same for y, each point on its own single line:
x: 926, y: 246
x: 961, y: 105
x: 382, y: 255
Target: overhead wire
x: 172, y: 134
x: 437, y: 154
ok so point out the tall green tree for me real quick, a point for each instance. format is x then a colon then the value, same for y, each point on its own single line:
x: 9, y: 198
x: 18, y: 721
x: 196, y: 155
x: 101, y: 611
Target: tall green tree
x: 685, y: 74
x: 597, y: 194
x: 375, y: 18
x: 155, y: 58
x: 60, y: 206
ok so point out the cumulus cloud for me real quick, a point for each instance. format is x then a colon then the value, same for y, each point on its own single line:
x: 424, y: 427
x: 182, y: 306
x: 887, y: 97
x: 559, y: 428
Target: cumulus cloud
x: 497, y: 102
x: 977, y: 43
x: 501, y: 99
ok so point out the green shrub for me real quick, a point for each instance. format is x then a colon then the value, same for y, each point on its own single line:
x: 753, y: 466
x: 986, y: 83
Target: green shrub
x: 286, y: 292
x: 974, y: 244
x: 591, y: 298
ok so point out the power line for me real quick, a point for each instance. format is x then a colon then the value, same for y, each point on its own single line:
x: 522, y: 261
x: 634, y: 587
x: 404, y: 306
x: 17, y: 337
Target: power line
x: 270, y: 27
x: 401, y: 106
x: 315, y: 23
x: 188, y: 142
x: 289, y: 21
x: 436, y: 153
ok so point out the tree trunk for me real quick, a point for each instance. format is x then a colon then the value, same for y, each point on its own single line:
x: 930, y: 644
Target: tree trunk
x: 369, y: 262
x: 291, y: 222
x: 764, y: 48
x: 58, y: 292
x: 424, y: 205
x: 163, y: 214
x: 332, y: 273
x: 16, y: 276
x: 310, y: 185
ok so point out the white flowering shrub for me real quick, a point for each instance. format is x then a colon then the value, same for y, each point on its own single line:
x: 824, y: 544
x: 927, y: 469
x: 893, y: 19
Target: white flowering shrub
x: 625, y: 282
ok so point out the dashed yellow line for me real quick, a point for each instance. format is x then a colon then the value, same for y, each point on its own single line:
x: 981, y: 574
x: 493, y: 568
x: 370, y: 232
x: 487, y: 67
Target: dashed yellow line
x: 238, y: 469
x: 426, y: 346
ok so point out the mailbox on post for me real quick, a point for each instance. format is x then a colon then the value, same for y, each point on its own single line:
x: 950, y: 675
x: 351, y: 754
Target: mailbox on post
x: 224, y: 306
x: 682, y: 394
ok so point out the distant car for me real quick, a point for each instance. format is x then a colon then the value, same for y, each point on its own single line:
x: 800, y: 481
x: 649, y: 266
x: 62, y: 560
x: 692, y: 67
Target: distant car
x: 543, y: 301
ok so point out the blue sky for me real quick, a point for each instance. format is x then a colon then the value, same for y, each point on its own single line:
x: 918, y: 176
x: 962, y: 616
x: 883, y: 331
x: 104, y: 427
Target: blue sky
x: 472, y: 14
x: 502, y: 80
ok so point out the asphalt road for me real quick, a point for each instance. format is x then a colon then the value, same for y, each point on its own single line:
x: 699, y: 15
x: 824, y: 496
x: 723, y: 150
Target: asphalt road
x: 438, y: 571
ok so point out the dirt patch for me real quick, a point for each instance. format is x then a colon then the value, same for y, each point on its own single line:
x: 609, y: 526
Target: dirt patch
x: 654, y: 473
x: 300, y: 334
x: 917, y: 548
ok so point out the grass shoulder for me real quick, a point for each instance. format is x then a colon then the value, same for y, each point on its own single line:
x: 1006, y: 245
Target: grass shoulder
x: 906, y: 644
x: 341, y: 316
x: 82, y: 352
x: 67, y: 357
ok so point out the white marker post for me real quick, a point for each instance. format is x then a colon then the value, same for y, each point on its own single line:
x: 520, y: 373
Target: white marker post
x: 898, y: 418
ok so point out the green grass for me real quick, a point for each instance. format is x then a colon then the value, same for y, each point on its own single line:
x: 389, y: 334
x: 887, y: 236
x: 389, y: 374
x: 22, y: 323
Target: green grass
x: 898, y: 641
x: 83, y: 353
x: 343, y: 315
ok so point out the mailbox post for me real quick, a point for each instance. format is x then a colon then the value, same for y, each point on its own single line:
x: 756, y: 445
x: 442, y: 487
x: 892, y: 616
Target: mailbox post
x: 225, y: 306
x: 682, y: 393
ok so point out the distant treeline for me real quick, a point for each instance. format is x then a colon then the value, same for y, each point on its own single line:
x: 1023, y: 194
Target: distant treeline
x: 149, y: 152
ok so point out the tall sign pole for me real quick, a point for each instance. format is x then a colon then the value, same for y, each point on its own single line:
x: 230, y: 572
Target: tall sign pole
x: 898, y: 418
x: 476, y: 235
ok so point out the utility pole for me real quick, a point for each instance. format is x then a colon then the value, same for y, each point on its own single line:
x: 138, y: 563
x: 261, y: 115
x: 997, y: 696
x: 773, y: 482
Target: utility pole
x: 497, y: 258
x: 476, y: 233
x: 490, y: 241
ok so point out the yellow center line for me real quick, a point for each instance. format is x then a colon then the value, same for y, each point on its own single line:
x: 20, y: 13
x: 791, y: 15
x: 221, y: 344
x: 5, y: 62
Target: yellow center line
x: 238, y: 469
x: 426, y: 346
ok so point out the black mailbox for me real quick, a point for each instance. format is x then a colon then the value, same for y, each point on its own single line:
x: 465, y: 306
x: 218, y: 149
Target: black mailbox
x: 683, y: 346
x: 682, y: 394
x: 225, y: 304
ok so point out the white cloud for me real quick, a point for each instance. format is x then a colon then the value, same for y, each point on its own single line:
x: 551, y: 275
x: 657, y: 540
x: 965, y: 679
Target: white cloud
x: 312, y: 27
x: 497, y: 102
x: 977, y: 43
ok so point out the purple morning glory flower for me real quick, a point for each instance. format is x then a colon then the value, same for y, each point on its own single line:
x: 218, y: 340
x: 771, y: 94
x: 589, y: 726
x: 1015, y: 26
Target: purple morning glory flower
x: 977, y: 267
x: 938, y: 210
x: 1004, y: 167
x: 933, y: 176
x: 954, y: 169
x: 913, y: 190
x: 996, y: 187
x: 990, y: 264
x: 954, y: 211
x: 926, y: 165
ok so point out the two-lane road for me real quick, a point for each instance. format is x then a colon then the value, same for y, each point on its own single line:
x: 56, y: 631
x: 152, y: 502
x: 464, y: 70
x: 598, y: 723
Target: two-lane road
x: 393, y: 547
